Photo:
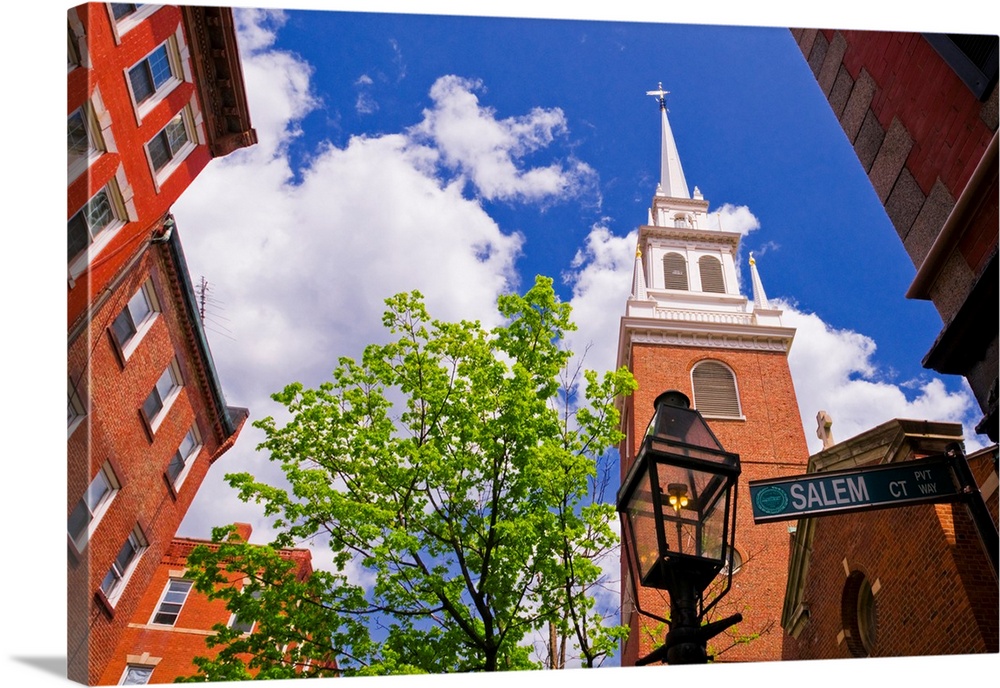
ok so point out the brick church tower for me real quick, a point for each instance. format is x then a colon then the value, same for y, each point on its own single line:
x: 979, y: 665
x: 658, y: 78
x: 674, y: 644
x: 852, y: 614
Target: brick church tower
x: 688, y: 327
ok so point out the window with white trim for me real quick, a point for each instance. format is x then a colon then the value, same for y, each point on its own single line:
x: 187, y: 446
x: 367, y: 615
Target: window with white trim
x: 83, y: 141
x: 151, y: 74
x: 715, y: 393
x: 162, y: 396
x: 710, y: 269
x: 136, y: 318
x: 93, y: 225
x: 154, y: 76
x: 171, y: 145
x: 675, y: 271
x: 169, y: 607
x: 72, y: 49
x: 182, y: 460
x: 124, y: 565
x: 92, y: 506
x: 120, y: 10
x: 77, y: 409
x: 136, y: 675
x: 244, y: 626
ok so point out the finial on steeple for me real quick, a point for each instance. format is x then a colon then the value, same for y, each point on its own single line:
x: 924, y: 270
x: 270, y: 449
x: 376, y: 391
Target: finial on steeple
x: 660, y: 95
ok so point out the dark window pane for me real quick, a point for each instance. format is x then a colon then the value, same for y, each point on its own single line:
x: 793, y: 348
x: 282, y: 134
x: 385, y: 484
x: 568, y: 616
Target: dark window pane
x: 110, y: 581
x: 79, y: 235
x: 125, y: 555
x: 78, y: 143
x: 123, y: 327
x: 122, y: 9
x: 78, y: 520
x: 175, y: 467
x: 142, y: 81
x: 152, y: 405
x: 159, y: 151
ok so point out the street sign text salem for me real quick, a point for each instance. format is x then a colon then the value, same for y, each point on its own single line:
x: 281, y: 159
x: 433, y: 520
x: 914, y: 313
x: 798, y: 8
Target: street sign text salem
x: 875, y: 487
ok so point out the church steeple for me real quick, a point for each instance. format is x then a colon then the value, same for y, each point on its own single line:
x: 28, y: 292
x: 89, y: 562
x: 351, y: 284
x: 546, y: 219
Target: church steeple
x: 688, y: 326
x: 672, y: 182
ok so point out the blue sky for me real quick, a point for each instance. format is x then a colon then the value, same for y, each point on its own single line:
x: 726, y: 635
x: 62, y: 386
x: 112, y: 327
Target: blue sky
x: 298, y: 270
x: 463, y: 155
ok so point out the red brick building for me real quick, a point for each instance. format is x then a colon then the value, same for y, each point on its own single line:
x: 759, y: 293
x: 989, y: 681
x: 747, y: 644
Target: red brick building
x: 687, y: 327
x: 902, y: 581
x: 921, y: 112
x: 154, y: 93
x: 172, y: 620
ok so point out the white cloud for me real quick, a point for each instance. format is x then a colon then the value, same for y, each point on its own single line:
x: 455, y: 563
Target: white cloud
x: 486, y: 151
x: 833, y: 370
x: 736, y: 218
x: 258, y: 28
x: 601, y: 279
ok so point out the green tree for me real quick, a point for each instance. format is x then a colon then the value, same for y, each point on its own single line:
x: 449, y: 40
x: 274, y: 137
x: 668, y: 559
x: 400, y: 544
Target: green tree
x: 458, y: 468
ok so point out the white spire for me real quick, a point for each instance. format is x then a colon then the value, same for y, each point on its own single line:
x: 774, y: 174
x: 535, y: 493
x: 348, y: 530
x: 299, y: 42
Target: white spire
x: 672, y: 182
x: 638, y: 278
x: 759, y: 297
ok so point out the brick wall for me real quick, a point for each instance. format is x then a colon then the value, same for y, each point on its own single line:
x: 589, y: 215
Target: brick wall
x: 114, y: 430
x: 106, y: 64
x: 917, y: 129
x: 771, y: 442
x: 933, y: 590
x: 171, y: 648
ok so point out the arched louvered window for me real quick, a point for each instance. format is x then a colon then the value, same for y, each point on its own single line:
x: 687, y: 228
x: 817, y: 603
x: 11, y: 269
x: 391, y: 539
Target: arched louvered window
x: 715, y: 393
x: 675, y: 271
x: 679, y: 221
x: 711, y: 275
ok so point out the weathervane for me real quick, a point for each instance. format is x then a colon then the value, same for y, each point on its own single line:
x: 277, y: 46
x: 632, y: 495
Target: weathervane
x: 659, y: 93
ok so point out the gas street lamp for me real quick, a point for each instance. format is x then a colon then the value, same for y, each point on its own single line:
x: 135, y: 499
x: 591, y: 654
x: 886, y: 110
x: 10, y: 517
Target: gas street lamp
x: 678, y: 508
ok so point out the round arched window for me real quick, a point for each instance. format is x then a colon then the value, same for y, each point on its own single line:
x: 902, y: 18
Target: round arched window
x: 859, y: 614
x: 715, y: 394
x: 734, y: 561
x: 674, y: 271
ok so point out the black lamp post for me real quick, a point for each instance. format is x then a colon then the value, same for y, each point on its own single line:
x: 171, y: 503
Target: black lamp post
x: 678, y: 507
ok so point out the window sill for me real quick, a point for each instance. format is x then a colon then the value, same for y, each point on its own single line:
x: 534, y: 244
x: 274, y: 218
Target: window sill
x: 77, y: 422
x: 106, y: 605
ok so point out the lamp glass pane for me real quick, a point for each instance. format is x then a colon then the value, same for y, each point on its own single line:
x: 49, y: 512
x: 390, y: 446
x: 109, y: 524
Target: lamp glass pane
x: 643, y: 523
x: 694, y: 510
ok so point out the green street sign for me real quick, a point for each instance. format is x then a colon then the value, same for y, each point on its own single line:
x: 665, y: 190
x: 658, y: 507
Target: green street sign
x: 924, y: 481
